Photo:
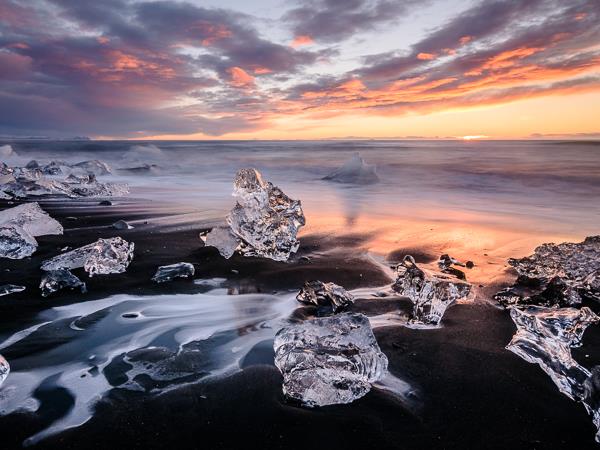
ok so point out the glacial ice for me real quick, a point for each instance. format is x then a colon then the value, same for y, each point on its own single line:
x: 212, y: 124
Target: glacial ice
x: 168, y: 273
x: 6, y: 289
x: 56, y: 280
x: 446, y: 263
x: 32, y: 218
x: 20, y: 225
x: 58, y: 178
x: 431, y: 292
x: 264, y: 219
x: 104, y: 256
x: 325, y: 294
x: 121, y: 225
x: 4, y: 369
x: 329, y: 360
x: 223, y: 240
x: 560, y: 274
x: 354, y: 171
x: 545, y: 337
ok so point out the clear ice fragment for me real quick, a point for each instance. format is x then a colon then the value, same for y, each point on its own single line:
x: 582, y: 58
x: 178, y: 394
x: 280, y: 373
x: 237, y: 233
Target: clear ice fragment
x: 545, y: 337
x: 354, y: 171
x: 4, y: 369
x: 325, y: 294
x: 32, y: 218
x: 121, y: 225
x: 264, y: 218
x: 431, y: 292
x: 6, y: 289
x: 16, y: 243
x: 168, y: 273
x: 331, y: 360
x: 104, y: 256
x: 560, y: 275
x: 223, y: 240
x: 56, y: 280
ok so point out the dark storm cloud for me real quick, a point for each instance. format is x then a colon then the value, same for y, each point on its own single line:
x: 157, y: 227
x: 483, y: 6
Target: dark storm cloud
x: 335, y: 20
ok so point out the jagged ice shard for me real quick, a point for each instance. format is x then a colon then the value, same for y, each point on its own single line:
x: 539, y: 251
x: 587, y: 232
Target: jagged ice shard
x: 168, y: 273
x: 104, y: 256
x: 545, y: 337
x: 330, y: 360
x: 325, y: 295
x: 431, y: 292
x: 6, y: 289
x: 264, y: 220
x: 560, y: 274
x: 56, y: 280
x: 20, y: 225
x: 354, y: 171
x: 222, y: 238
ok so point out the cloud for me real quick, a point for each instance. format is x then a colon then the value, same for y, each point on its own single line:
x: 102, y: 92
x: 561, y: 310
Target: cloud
x: 335, y: 20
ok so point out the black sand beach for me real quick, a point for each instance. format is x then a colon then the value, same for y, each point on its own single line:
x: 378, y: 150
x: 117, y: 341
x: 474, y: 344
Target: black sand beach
x: 469, y: 392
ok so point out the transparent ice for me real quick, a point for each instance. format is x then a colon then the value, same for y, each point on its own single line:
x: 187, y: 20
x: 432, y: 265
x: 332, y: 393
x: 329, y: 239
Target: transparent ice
x: 325, y: 294
x: 560, y: 274
x: 104, y: 256
x: 354, y: 171
x: 545, y: 337
x: 223, y: 240
x: 4, y: 369
x: 179, y: 270
x: 56, y: 280
x: 264, y: 218
x: 431, y: 292
x: 6, y: 289
x: 329, y: 360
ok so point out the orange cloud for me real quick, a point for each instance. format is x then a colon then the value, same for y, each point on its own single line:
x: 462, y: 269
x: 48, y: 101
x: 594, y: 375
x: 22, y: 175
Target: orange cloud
x: 465, y: 40
x: 239, y: 78
x: 426, y: 56
x: 302, y: 40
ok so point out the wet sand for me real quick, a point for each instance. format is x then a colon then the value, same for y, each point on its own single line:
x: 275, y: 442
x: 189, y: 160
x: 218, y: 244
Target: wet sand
x: 469, y: 391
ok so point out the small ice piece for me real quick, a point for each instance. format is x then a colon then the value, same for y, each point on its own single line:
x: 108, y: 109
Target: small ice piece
x: 56, y: 280
x: 104, y: 256
x: 560, y: 275
x: 331, y: 360
x: 545, y: 337
x: 354, y: 171
x: 431, y: 292
x: 325, y: 294
x: 6, y: 289
x: 223, y: 240
x: 264, y: 218
x: 179, y: 270
x: 121, y: 225
x: 4, y: 369
x: 445, y: 264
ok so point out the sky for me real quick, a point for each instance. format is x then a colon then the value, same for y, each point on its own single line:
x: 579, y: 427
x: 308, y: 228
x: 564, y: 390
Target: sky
x: 300, y: 69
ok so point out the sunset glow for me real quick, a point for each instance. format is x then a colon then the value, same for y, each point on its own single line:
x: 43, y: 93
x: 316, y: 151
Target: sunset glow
x: 308, y: 70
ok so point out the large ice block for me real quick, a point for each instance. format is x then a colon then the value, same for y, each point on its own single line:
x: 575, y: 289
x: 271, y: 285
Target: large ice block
x: 329, y: 360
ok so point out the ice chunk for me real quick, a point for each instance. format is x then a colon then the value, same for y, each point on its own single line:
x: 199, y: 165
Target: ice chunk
x: 223, y: 240
x: 264, y: 218
x: 32, y: 218
x: 145, y: 169
x: 329, y: 360
x: 354, y: 171
x: 556, y: 275
x: 4, y: 369
x: 545, y: 337
x: 431, y: 292
x: 16, y: 243
x: 121, y: 225
x: 20, y: 225
x: 94, y: 166
x: 445, y: 264
x: 56, y: 280
x: 6, y: 289
x: 179, y: 270
x: 325, y: 294
x: 104, y: 256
